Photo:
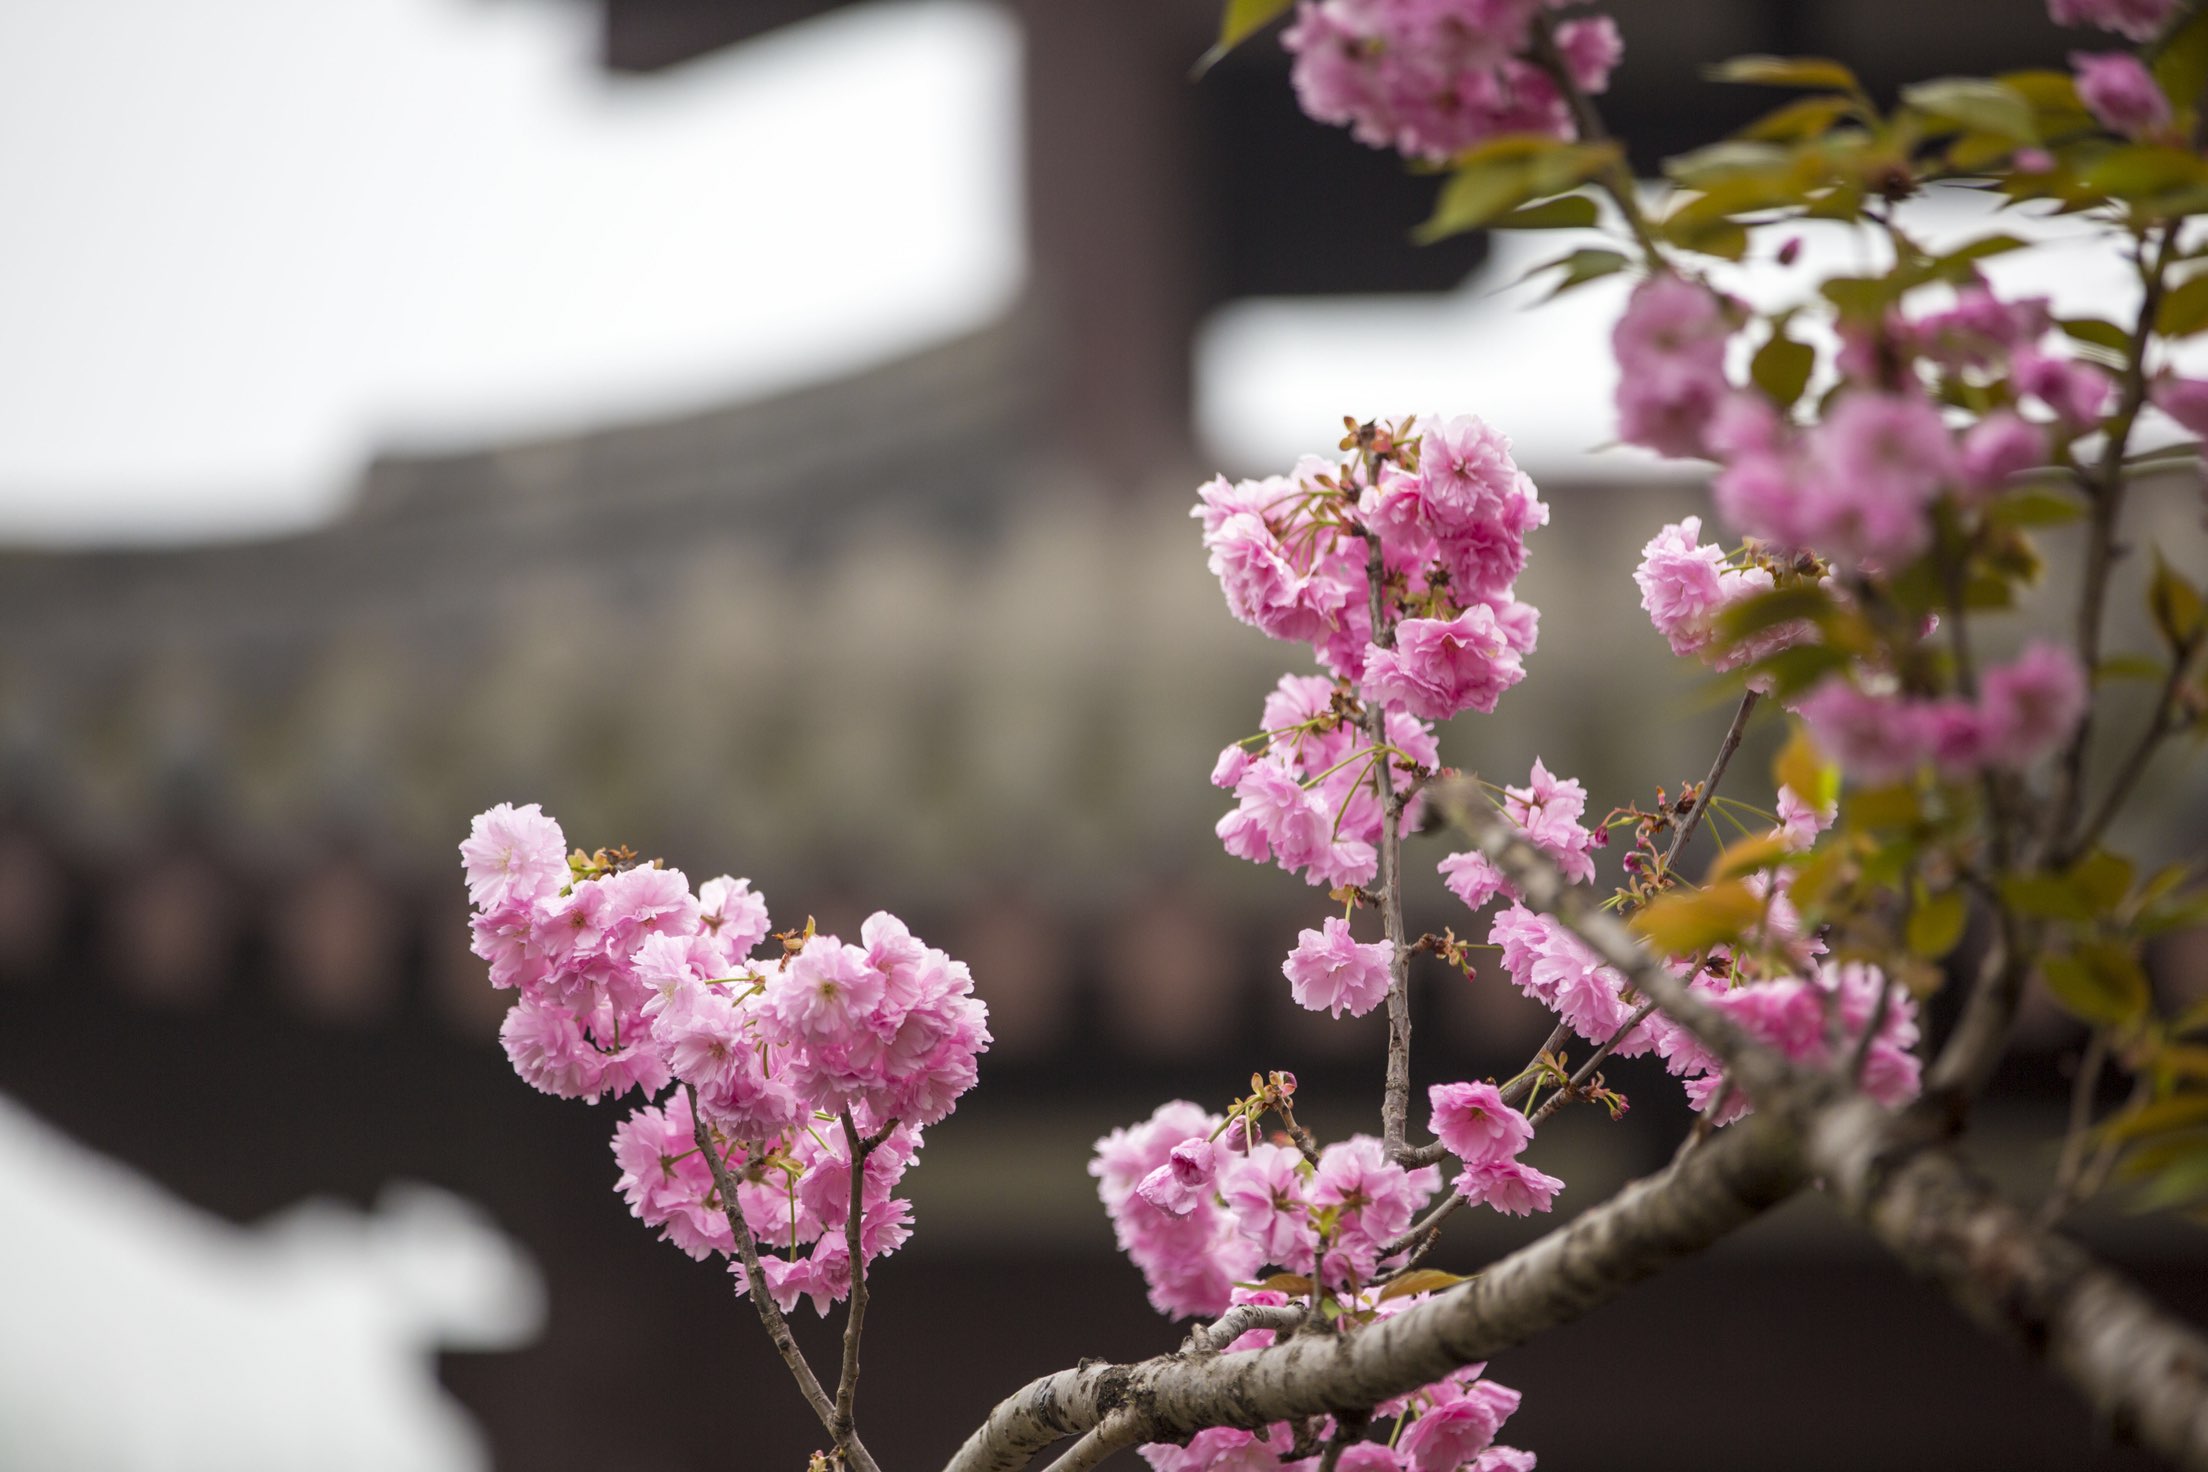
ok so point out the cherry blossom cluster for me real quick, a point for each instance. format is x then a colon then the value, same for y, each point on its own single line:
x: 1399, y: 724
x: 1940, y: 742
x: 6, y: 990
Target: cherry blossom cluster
x: 1449, y: 510
x: 628, y: 980
x: 1304, y: 784
x: 1858, y: 487
x: 1781, y: 992
x: 2023, y: 710
x: 1202, y: 1207
x: 1686, y: 583
x: 1442, y: 516
x: 1448, y: 1426
x: 2139, y: 20
x: 1431, y: 78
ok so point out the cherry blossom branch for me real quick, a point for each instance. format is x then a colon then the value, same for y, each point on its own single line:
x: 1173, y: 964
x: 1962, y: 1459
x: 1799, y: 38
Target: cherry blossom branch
x: 854, y: 1314
x: 2139, y: 1368
x: 1645, y: 1227
x: 1725, y: 750
x: 2161, y: 725
x: 1586, y: 1072
x: 1395, y: 1102
x: 1240, y: 1320
x: 1616, y: 180
x: 2106, y: 488
x: 847, y: 1441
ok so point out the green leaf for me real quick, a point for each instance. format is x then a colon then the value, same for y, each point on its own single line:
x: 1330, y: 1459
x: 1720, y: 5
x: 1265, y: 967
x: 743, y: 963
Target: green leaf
x: 1581, y: 267
x: 2100, y: 981
x: 2104, y: 878
x: 1422, y: 1280
x: 1475, y: 195
x: 2051, y: 93
x: 1242, y: 20
x: 1797, y: 667
x: 2142, y: 171
x: 2131, y: 667
x: 2158, y: 1118
x: 1781, y: 368
x: 2180, y: 60
x: 1948, y: 265
x: 1883, y: 807
x: 1804, y: 117
x: 1689, y: 922
x: 1785, y: 71
x: 1752, y: 856
x: 2184, y: 308
x: 2183, y: 1182
x: 1733, y: 161
x: 1974, y: 102
x: 2039, y: 505
x: 1802, y: 769
x: 2175, y: 604
x: 1566, y: 212
x: 1752, y: 615
x: 2098, y: 331
x: 1936, y: 926
x: 2045, y: 896
x: 2178, y: 912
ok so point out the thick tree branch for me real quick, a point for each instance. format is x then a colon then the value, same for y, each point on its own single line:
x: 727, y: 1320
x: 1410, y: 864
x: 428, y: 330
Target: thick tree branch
x: 1647, y: 1226
x: 2143, y: 1371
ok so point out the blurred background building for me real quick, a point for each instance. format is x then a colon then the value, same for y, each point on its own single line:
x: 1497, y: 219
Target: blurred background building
x: 891, y: 603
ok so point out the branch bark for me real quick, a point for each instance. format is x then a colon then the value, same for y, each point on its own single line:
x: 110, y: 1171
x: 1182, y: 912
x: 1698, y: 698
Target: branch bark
x: 2144, y: 1372
x: 1645, y: 1227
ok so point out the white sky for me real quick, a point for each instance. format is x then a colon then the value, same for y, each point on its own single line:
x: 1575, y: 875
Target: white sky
x: 247, y: 242
x: 250, y: 242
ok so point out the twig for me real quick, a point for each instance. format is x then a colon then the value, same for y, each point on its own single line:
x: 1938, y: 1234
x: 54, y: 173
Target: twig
x: 1395, y: 1103
x: 1347, y: 1429
x: 778, y: 1329
x: 1109, y: 1435
x: 1523, y: 1084
x: 2070, y: 1170
x: 854, y: 1314
x: 1240, y: 1320
x: 2106, y: 487
x: 2160, y: 727
x: 1725, y: 750
x: 1571, y: 1090
x: 1427, y: 1227
x: 1616, y: 180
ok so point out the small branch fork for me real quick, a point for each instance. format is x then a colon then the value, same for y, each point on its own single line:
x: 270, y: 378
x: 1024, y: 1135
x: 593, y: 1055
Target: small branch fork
x: 848, y: 1446
x: 2144, y: 1372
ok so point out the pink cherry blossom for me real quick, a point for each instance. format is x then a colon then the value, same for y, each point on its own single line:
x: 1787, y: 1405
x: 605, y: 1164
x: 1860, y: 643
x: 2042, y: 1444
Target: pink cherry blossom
x: 1184, y: 1180
x: 1508, y: 1186
x: 1475, y: 1125
x: 2031, y: 704
x: 2121, y: 93
x: 1474, y: 879
x: 1331, y: 971
x: 2137, y: 19
x: 1439, y: 667
x: 2184, y: 400
x: 513, y: 854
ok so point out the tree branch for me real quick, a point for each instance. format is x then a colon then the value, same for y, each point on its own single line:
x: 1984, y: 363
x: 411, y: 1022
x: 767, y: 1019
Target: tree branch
x: 1645, y: 1227
x: 1725, y: 750
x: 778, y: 1329
x: 2106, y: 487
x: 1395, y: 1102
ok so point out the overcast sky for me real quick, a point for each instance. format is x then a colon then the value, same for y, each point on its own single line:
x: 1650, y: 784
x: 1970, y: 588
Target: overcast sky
x: 248, y: 242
